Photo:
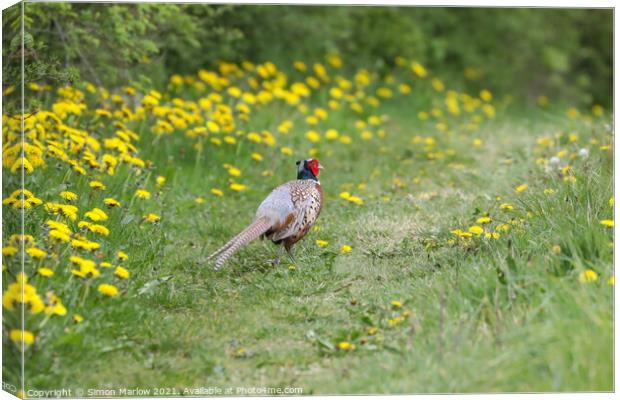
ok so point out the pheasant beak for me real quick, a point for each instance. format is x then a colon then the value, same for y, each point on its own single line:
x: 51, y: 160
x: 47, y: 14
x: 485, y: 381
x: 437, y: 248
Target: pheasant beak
x: 321, y: 167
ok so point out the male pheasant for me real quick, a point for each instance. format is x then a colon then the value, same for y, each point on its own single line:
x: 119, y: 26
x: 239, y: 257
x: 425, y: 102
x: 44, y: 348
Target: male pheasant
x: 285, y: 216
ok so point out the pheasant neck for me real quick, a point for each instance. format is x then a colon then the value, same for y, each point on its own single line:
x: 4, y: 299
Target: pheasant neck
x: 305, y: 174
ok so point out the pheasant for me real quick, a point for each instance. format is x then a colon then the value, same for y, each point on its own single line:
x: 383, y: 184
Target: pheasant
x: 285, y: 216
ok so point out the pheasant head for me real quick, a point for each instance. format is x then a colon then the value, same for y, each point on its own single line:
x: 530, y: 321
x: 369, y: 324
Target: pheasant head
x: 308, y: 169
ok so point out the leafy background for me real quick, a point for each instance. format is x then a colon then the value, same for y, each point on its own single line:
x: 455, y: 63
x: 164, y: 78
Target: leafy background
x: 558, y: 53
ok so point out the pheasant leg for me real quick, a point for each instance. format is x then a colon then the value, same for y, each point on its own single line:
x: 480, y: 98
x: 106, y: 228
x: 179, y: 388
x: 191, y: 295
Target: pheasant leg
x: 276, y: 262
x: 289, y: 251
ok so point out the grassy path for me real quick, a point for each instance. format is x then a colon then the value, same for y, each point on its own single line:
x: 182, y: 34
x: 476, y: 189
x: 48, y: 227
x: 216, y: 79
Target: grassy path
x: 422, y: 309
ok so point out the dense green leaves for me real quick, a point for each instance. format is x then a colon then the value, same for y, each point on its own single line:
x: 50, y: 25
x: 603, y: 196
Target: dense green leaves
x: 560, y: 53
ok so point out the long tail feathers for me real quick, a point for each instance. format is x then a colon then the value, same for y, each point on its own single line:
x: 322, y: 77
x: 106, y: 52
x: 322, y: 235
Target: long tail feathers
x: 256, y: 228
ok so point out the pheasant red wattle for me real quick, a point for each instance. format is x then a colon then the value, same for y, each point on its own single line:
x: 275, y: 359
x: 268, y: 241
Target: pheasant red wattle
x: 285, y: 216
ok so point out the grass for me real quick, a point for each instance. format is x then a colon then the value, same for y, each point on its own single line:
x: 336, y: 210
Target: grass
x: 481, y: 315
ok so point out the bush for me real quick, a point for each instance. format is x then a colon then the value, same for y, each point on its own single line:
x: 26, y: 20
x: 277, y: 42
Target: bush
x: 560, y: 53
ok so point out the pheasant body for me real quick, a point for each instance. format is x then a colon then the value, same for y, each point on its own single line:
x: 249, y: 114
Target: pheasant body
x: 296, y: 205
x: 284, y: 216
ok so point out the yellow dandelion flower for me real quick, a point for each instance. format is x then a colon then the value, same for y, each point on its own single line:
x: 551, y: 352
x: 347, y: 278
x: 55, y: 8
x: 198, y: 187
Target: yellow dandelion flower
x: 346, y: 346
x: 59, y: 235
x: 483, y: 220
x: 437, y: 85
x: 521, y: 188
x: 256, y: 157
x: 335, y: 92
x: 374, y: 120
x: 322, y: 243
x: 418, y: 69
x: 345, y: 249
x: 395, y: 321
x: 608, y: 222
x: 28, y: 168
x: 108, y: 290
x: 160, y: 180
x: 287, y: 151
x: 598, y: 110
x: 18, y: 336
x: 9, y: 251
x: 35, y: 252
x: 570, y: 179
x: 238, y: 187
x: 99, y: 229
x: 396, y: 303
x: 384, y: 92
x: 356, y: 200
x: 150, y: 217
x: 69, y: 196
x: 486, y: 95
x: 78, y: 318
x: 143, y: 194
x: 217, y: 192
x: 45, y: 272
x: 300, y: 66
x: 96, y: 214
x: 476, y: 230
x: 213, y: 126
x: 313, y: 136
x: 506, y: 206
x: 97, y: 185
x: 84, y: 244
x: 254, y: 137
x: 121, y: 272
x: 312, y: 120
x: 366, y: 135
x: 110, y: 202
x: 122, y: 256
x: 331, y: 134
x: 234, y: 171
x: 588, y: 276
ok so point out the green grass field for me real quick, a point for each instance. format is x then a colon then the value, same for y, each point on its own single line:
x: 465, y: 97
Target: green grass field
x: 416, y: 306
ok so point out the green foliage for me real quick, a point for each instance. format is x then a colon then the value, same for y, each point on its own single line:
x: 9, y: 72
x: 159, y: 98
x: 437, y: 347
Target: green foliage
x: 523, y: 52
x: 106, y: 44
x: 560, y: 53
